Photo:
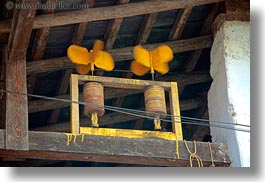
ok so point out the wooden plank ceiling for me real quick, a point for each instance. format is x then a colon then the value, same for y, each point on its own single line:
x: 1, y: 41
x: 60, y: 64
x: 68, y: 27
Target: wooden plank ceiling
x: 184, y: 25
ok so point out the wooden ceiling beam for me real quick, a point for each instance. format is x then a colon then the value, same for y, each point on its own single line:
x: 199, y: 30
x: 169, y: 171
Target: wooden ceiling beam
x: 182, y: 79
x: 39, y: 46
x: 206, y: 29
x: 79, y: 34
x: 53, y: 146
x: 180, y: 23
x: 113, y: 28
x: 112, y: 33
x: 143, y: 35
x: 113, y: 12
x: 121, y: 54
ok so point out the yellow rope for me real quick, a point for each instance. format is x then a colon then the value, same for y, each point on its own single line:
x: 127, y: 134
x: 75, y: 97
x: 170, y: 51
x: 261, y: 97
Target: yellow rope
x: 194, y: 155
x: 211, y: 153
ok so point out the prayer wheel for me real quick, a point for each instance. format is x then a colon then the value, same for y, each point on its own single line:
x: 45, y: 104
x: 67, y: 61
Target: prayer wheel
x: 155, y: 102
x: 94, y: 97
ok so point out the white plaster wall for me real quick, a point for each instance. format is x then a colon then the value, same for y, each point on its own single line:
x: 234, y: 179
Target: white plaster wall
x: 229, y: 95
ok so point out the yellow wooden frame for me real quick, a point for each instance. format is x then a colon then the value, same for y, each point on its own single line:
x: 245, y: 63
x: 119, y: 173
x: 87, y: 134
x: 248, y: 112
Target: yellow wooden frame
x: 171, y: 87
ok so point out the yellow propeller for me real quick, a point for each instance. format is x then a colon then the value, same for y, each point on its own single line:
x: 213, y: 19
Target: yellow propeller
x: 86, y: 60
x: 155, y: 60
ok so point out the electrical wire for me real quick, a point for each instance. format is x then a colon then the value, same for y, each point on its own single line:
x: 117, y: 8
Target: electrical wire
x: 185, y: 120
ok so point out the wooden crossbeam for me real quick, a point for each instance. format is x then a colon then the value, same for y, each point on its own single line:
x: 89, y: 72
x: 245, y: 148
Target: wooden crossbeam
x: 80, y: 30
x: 121, y: 54
x: 182, y: 79
x: 206, y: 29
x: 112, y: 12
x: 53, y: 146
x: 15, y: 61
x: 117, y: 11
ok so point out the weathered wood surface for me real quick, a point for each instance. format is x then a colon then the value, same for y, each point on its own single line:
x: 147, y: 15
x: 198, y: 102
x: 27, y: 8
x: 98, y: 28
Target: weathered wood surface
x: 150, y: 151
x: 144, y: 32
x: 117, y: 11
x: 121, y: 54
x: 113, y: 28
x: 5, y: 26
x: 146, y: 28
x: 181, y: 79
x: 39, y: 46
x: 20, y: 32
x: 206, y: 29
x: 180, y: 24
x: 16, y: 106
x: 221, y: 18
x: 15, y: 62
x: 113, y: 118
x: 123, y: 82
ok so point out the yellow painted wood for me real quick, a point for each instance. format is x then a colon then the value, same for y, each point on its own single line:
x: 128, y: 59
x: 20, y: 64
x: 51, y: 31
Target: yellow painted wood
x: 175, y: 111
x: 127, y: 133
x: 123, y: 82
x: 74, y: 92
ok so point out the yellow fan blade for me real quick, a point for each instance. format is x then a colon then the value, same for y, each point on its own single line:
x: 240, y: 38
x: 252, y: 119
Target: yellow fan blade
x: 83, y: 69
x: 104, y: 61
x: 141, y: 56
x: 138, y: 69
x: 98, y: 46
x: 162, y: 54
x: 78, y: 55
x: 162, y: 68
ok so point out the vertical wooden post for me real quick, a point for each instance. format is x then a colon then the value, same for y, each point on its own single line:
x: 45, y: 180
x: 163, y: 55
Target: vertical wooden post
x: 175, y: 111
x: 74, y: 106
x: 16, y: 106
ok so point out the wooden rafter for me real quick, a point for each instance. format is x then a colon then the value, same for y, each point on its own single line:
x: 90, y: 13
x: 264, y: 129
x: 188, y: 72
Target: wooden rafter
x: 112, y: 33
x: 175, y: 34
x: 80, y: 30
x: 53, y: 146
x: 180, y: 23
x: 39, y: 46
x: 143, y: 35
x: 120, y: 54
x: 15, y: 59
x: 206, y: 29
